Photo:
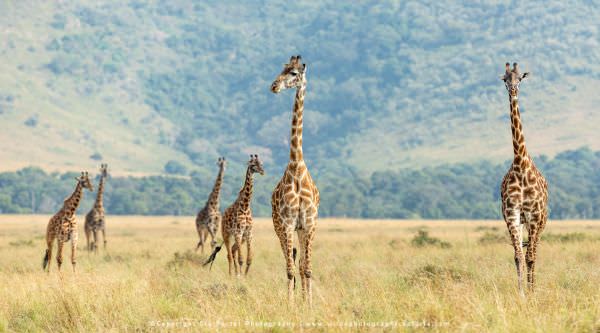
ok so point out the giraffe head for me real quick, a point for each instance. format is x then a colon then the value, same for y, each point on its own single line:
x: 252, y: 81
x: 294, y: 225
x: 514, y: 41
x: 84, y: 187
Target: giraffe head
x: 84, y: 180
x: 293, y: 75
x: 512, y: 79
x: 221, y: 162
x: 255, y: 165
x: 104, y: 170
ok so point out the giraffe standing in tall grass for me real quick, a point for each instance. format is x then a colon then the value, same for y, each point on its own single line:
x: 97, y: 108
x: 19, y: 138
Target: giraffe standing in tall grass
x: 63, y: 225
x: 295, y: 200
x: 209, y: 217
x: 524, y: 190
x: 237, y: 222
x: 95, y: 219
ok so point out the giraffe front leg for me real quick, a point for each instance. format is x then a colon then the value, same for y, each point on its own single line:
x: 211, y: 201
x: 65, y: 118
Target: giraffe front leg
x: 227, y: 243
x: 48, y: 256
x: 302, y: 260
x: 200, y: 240
x: 249, y: 254
x: 95, y: 242
x: 289, y: 259
x: 237, y: 253
x: 310, y: 234
x: 73, y: 250
x: 515, y: 230
x: 104, y: 236
x: 87, y: 239
x: 213, y: 231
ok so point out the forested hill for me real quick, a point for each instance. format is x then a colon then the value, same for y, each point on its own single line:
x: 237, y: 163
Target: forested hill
x: 392, y: 84
x: 451, y: 191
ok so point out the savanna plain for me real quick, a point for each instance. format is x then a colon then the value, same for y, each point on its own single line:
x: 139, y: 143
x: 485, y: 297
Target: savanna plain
x: 393, y: 275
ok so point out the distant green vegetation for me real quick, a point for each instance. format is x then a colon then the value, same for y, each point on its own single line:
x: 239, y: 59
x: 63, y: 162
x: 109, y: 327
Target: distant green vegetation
x: 468, y: 191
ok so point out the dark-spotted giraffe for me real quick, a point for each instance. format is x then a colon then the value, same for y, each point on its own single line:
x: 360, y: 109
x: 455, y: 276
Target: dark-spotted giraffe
x: 237, y: 221
x: 209, y: 217
x: 295, y: 200
x: 63, y: 226
x: 95, y: 220
x: 524, y: 190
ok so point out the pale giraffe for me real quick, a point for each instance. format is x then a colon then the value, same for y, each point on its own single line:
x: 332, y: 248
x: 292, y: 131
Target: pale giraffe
x: 237, y: 221
x: 209, y: 217
x: 524, y: 190
x: 295, y: 200
x: 63, y: 225
x: 95, y: 220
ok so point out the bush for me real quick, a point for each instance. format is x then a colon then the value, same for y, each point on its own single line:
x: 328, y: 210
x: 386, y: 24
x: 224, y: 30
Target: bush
x: 175, y: 168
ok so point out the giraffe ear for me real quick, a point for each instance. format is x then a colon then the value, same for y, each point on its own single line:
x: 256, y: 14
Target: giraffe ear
x: 526, y: 74
x: 303, y: 68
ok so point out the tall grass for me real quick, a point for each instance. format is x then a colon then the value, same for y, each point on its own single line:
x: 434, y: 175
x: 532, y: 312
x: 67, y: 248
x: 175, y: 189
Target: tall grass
x: 365, y: 273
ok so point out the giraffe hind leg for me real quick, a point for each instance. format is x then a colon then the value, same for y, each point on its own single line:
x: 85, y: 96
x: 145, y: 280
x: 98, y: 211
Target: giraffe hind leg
x: 59, y: 254
x: 48, y: 255
x: 104, y: 236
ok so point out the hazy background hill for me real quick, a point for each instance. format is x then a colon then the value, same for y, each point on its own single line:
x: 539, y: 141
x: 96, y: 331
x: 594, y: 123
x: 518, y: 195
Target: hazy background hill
x: 391, y: 85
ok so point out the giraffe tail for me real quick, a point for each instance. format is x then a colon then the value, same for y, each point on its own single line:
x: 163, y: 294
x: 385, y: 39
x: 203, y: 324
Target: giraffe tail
x: 46, y: 259
x: 213, y: 256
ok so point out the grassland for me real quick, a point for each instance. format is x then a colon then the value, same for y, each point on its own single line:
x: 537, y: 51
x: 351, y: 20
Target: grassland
x: 364, y: 271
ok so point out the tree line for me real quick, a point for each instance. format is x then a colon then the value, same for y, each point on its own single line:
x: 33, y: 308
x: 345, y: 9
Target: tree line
x: 458, y: 191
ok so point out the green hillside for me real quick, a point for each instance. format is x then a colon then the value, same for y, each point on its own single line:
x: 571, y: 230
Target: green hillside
x: 391, y: 85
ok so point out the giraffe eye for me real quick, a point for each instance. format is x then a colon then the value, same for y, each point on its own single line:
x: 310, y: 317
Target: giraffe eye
x: 294, y: 73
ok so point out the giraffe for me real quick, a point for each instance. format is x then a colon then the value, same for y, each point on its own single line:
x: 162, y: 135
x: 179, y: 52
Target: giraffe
x: 295, y: 200
x: 524, y: 190
x: 209, y: 218
x: 63, y: 225
x: 237, y: 221
x: 95, y: 220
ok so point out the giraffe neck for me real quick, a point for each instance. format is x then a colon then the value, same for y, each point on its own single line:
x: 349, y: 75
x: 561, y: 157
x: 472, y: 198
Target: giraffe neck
x: 100, y: 195
x: 213, y: 199
x: 246, y: 192
x: 296, y: 137
x: 73, y: 201
x: 519, y: 149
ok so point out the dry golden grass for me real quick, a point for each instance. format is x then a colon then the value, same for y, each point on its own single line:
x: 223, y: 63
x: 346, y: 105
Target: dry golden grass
x: 365, y: 271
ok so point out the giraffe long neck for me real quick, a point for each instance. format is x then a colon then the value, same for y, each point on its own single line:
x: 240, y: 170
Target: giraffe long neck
x: 519, y: 148
x: 213, y: 199
x: 296, y: 137
x: 72, y: 202
x: 100, y: 195
x: 246, y: 192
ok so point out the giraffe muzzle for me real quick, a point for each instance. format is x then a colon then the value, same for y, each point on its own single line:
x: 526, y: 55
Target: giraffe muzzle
x: 276, y: 87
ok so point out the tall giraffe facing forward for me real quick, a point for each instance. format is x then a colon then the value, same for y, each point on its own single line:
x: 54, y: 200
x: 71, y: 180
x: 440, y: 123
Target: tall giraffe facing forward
x: 63, y: 226
x: 295, y: 200
x: 95, y: 219
x: 237, y: 221
x: 524, y: 190
x: 209, y: 217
